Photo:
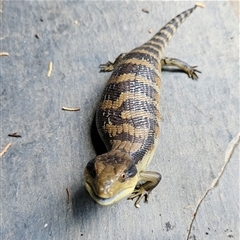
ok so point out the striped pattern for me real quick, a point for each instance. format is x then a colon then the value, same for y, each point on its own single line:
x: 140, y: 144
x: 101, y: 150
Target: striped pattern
x: 128, y: 117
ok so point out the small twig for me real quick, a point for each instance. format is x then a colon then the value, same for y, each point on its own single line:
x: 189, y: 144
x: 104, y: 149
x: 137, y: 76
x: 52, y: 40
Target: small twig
x: 70, y: 109
x: 5, y: 149
x: 49, y: 69
x: 15, y: 134
x: 68, y: 196
x: 230, y: 149
x: 4, y: 54
x: 145, y: 10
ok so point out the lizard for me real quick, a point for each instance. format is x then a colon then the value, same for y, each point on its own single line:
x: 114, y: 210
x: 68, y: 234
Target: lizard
x: 128, y: 119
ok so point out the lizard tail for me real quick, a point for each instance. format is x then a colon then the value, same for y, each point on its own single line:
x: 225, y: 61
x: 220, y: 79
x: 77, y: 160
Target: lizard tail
x: 159, y: 41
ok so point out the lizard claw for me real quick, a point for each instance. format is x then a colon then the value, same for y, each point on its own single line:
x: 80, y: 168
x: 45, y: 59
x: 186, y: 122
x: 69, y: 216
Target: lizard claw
x: 192, y: 73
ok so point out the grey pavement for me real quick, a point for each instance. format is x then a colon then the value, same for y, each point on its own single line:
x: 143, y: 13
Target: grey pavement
x: 199, y: 120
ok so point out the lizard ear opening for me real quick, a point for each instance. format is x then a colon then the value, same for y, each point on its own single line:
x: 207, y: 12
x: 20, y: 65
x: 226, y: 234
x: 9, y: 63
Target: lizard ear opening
x: 131, y: 171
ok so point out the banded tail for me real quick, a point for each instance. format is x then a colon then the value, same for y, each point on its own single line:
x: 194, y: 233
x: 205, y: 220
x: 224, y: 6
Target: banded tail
x: 159, y: 41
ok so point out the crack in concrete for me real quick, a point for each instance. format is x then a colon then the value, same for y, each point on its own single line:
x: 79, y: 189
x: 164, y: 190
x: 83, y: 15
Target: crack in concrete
x: 229, y: 151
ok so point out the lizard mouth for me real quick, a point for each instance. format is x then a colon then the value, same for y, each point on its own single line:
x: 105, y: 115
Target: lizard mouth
x: 107, y: 201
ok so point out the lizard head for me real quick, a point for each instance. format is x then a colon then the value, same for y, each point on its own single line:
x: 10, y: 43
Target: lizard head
x: 110, y: 177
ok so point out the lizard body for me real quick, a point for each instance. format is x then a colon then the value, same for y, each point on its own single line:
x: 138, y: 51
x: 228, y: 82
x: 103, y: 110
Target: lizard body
x: 128, y: 120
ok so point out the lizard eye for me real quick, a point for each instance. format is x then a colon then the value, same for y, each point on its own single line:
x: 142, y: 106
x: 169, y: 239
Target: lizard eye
x: 122, y: 177
x: 129, y: 173
x: 93, y: 173
x: 90, y: 167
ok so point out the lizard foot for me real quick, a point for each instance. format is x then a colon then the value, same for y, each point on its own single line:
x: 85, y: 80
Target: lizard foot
x: 107, y: 67
x: 192, y: 72
x: 139, y: 193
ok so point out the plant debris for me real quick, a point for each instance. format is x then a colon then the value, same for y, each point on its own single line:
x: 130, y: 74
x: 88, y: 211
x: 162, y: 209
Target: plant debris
x: 4, y: 54
x: 68, y: 196
x: 71, y: 109
x: 5, y: 149
x: 49, y: 69
x: 15, y: 134
x: 145, y: 10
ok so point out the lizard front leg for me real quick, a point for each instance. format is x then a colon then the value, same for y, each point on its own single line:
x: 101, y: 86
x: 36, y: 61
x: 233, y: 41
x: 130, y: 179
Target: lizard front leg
x: 190, y: 70
x: 109, y: 66
x: 151, y: 180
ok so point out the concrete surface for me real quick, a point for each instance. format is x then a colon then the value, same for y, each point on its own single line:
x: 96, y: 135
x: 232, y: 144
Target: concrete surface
x: 199, y: 120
